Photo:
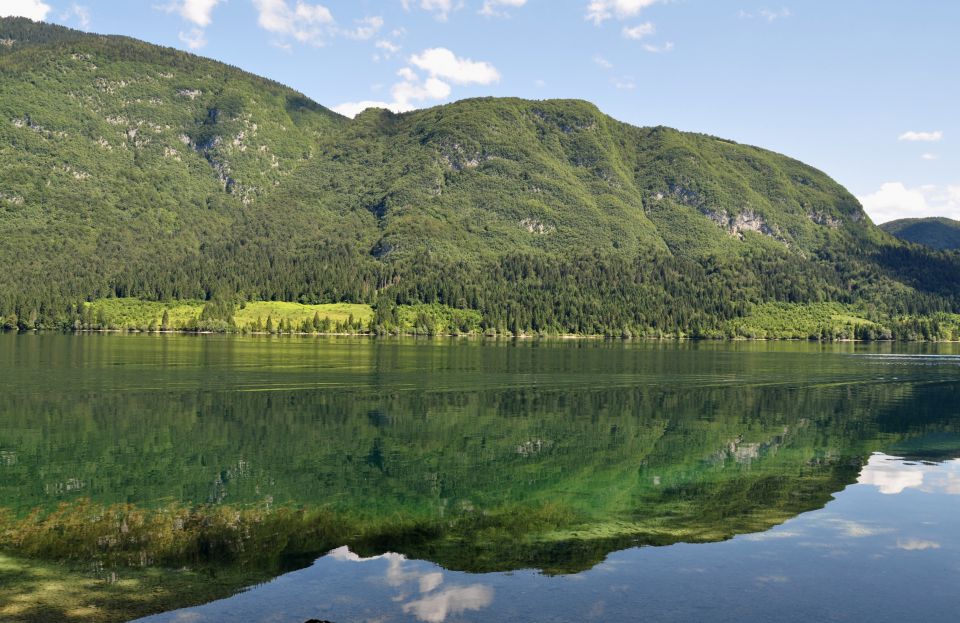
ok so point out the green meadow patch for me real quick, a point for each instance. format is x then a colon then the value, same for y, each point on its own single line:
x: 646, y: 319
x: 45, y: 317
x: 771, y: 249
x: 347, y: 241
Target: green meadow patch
x: 134, y: 313
x: 249, y: 314
x: 835, y: 321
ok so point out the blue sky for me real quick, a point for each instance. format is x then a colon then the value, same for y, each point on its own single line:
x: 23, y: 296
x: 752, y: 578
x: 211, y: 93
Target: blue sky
x: 867, y: 90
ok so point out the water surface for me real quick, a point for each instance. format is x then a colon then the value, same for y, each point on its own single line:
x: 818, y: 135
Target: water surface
x: 478, y: 480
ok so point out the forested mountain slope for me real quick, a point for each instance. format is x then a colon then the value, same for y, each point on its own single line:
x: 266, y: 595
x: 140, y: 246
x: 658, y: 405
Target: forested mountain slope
x: 936, y: 232
x: 127, y: 169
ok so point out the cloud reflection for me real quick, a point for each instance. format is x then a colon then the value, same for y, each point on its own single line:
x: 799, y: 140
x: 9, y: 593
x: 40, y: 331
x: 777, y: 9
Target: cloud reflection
x: 344, y: 554
x: 431, y: 606
x: 435, y: 608
x: 857, y: 530
x: 430, y: 581
x: 892, y: 475
x: 916, y: 545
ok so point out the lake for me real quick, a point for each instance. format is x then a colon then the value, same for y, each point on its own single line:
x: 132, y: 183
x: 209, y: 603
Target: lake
x: 219, y: 478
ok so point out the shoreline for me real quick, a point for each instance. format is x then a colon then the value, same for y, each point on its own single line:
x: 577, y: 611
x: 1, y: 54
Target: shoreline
x: 474, y: 336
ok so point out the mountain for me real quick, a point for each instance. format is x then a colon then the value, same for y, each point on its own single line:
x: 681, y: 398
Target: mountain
x: 131, y: 170
x: 936, y: 232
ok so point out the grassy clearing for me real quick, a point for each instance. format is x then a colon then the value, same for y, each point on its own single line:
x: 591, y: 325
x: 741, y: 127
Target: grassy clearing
x: 832, y: 321
x: 133, y: 313
x: 793, y: 321
x: 296, y: 313
x: 810, y: 321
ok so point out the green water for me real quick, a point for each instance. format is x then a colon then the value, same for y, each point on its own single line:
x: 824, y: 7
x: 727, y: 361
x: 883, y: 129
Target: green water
x: 478, y: 456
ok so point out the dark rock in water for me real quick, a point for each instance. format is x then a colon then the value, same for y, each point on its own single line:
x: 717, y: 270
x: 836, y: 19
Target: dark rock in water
x: 317, y: 621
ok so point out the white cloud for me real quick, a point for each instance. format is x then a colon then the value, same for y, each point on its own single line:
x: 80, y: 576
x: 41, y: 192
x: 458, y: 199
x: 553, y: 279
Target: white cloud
x: 387, y: 46
x: 440, y: 8
x: 442, y: 63
x: 929, y: 156
x: 442, y: 67
x: 78, y: 14
x: 769, y: 15
x: 894, y: 200
x: 598, y: 11
x: 34, y: 9
x: 491, y: 8
x: 640, y: 31
x: 199, y: 12
x: 602, y: 62
x: 194, y: 39
x: 407, y: 94
x: 352, y: 109
x: 539, y: 83
x: 313, y: 13
x: 366, y: 28
x: 624, y: 83
x: 387, y: 49
x: 307, y: 23
x: 658, y: 49
x: 927, y: 137
x: 409, y: 91
x: 408, y: 74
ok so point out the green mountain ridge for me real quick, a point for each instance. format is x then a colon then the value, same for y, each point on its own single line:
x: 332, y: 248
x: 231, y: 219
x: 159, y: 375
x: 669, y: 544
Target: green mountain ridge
x: 130, y: 170
x: 935, y: 232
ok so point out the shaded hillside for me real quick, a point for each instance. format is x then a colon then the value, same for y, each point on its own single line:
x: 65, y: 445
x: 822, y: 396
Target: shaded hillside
x: 935, y: 232
x: 127, y: 170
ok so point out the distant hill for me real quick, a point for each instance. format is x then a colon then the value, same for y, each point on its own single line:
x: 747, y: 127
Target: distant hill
x: 132, y: 170
x: 935, y: 232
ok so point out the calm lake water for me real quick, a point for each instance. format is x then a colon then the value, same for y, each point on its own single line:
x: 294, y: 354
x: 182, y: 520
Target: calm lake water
x: 489, y: 481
